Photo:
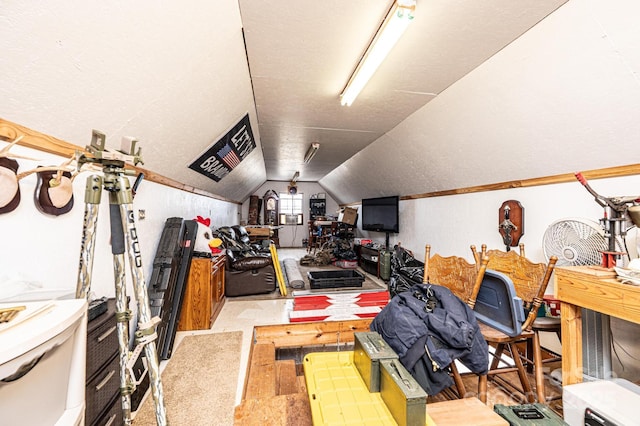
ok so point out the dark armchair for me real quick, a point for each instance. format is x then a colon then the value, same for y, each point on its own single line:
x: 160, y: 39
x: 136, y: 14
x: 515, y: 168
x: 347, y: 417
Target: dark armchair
x: 249, y: 269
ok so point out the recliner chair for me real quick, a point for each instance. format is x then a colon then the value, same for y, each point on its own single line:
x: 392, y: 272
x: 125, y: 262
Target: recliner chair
x: 249, y: 269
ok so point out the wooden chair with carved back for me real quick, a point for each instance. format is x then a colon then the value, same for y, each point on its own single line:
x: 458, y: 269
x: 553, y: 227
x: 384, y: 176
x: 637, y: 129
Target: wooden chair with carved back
x: 464, y: 280
x: 530, y: 281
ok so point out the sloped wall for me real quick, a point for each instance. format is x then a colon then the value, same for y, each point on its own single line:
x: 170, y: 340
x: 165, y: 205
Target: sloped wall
x: 43, y: 251
x: 562, y: 97
x: 171, y: 74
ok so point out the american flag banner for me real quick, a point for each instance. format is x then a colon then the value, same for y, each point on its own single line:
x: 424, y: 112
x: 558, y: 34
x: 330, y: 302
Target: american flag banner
x: 228, y: 156
x: 227, y: 153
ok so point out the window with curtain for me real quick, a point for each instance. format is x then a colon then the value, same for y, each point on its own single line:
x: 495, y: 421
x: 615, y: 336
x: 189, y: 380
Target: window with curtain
x: 291, y: 209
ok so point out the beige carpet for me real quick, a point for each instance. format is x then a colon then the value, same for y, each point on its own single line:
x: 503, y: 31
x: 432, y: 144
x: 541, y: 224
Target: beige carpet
x: 199, y: 382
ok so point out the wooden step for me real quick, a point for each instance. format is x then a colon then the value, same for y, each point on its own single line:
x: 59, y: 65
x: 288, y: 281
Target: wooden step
x: 261, y: 381
x: 284, y: 410
x: 286, y: 378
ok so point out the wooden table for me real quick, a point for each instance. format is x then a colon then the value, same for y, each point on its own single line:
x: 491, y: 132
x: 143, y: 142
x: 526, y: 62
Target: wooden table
x: 466, y: 411
x: 592, y: 288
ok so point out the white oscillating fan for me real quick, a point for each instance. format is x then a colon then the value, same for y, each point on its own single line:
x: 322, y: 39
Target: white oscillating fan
x: 577, y: 241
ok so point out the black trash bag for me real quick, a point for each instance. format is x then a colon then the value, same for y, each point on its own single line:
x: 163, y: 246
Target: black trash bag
x: 406, y: 271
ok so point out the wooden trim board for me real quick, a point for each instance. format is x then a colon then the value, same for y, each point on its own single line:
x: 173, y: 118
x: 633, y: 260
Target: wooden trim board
x: 43, y: 142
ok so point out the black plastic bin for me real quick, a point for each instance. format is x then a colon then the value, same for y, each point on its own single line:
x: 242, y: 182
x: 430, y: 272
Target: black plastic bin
x: 335, y: 279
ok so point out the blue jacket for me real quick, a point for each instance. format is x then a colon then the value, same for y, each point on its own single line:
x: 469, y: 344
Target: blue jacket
x: 429, y: 327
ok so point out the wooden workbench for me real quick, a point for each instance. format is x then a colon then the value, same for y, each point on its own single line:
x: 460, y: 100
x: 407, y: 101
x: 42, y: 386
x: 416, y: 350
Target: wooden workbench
x: 592, y: 288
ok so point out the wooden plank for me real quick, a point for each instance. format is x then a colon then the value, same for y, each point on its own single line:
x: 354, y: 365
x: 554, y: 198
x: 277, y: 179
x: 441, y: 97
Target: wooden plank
x: 467, y: 411
x: 609, y: 172
x: 286, y: 378
x: 261, y: 380
x: 302, y: 385
x: 589, y: 289
x: 281, y: 410
x: 310, y: 334
x: 571, y: 343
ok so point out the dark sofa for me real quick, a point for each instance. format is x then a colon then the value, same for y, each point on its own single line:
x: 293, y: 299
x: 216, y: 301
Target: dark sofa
x: 249, y: 269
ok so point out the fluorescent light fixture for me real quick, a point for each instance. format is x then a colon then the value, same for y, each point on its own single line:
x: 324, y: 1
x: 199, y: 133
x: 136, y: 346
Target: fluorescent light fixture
x: 295, y: 177
x: 311, y: 152
x: 397, y: 20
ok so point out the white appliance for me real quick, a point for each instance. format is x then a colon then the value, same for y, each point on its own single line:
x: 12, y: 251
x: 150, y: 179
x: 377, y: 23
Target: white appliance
x: 43, y: 363
x: 605, y: 402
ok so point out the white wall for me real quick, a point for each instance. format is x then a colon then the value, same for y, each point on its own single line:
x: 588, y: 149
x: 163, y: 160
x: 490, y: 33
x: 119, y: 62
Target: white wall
x: 292, y: 235
x: 451, y: 224
x: 43, y: 251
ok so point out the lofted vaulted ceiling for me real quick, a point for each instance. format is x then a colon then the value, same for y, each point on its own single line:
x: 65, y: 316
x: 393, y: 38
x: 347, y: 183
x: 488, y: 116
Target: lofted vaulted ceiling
x: 179, y: 75
x: 302, y: 53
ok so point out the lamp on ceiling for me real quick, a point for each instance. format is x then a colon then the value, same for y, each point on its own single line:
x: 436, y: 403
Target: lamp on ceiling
x: 396, y: 21
x: 311, y: 152
x: 293, y: 188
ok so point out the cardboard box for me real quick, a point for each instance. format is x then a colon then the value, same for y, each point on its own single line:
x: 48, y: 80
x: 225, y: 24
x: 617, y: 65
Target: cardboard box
x: 348, y: 215
x: 346, y: 264
x: 259, y: 232
x: 362, y: 241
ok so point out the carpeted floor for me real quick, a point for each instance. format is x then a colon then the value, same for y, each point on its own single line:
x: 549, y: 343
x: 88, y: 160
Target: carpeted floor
x: 370, y: 282
x: 199, y: 382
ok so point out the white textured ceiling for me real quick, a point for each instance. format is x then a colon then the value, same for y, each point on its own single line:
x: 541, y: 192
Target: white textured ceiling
x: 302, y: 53
x: 176, y: 75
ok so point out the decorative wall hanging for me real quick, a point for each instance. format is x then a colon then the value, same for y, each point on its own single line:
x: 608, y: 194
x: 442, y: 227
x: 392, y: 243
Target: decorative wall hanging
x: 227, y: 153
x: 511, y: 223
x: 54, y: 192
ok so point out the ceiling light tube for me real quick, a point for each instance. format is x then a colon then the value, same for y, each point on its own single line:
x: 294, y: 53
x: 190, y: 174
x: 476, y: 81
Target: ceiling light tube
x: 311, y: 152
x: 295, y: 177
x: 394, y: 25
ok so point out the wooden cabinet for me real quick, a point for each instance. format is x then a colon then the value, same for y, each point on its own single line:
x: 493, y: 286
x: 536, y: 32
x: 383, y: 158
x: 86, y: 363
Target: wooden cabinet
x: 204, y: 294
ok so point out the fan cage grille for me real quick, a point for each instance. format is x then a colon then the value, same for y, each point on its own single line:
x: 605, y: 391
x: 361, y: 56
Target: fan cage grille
x: 577, y: 242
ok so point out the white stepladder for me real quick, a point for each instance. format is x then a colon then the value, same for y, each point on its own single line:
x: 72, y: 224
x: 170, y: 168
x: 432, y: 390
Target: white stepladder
x: 124, y: 237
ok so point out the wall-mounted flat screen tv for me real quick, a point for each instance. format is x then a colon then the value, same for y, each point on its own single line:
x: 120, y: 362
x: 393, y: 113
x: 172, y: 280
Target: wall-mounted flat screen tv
x: 380, y: 214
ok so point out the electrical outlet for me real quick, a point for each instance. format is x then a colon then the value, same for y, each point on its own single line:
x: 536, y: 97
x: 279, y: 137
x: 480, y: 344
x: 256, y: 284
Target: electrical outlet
x: 142, y: 214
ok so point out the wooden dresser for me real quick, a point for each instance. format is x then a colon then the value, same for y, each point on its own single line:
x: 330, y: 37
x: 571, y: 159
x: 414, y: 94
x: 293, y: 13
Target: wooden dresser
x: 204, y: 295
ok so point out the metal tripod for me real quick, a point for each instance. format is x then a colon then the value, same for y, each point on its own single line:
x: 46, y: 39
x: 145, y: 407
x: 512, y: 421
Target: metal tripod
x: 123, y: 237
